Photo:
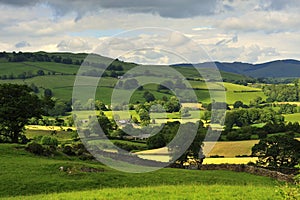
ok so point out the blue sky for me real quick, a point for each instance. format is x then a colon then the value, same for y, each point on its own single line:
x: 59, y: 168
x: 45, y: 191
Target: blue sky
x: 229, y: 30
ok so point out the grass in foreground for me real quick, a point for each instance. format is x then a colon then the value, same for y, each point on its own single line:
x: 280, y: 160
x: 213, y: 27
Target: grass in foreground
x: 23, y: 174
x: 168, y: 192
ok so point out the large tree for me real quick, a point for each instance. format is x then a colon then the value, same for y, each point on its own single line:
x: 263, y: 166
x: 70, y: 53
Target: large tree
x: 18, y: 105
x: 194, y: 143
x: 277, y: 151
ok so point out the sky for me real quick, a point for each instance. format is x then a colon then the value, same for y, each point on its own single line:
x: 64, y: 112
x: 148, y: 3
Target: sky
x: 253, y: 31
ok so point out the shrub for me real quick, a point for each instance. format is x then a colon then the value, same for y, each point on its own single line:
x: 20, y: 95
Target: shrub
x: 23, y: 139
x: 37, y: 138
x: 77, y: 149
x: 68, y: 150
x: 128, y: 146
x: 35, y: 148
x: 39, y: 149
x: 47, y: 140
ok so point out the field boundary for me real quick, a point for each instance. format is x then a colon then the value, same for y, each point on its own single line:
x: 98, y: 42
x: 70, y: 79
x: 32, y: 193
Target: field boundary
x: 251, y: 170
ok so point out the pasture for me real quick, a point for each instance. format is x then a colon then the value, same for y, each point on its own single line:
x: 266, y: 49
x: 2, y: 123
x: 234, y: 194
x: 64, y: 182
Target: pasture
x: 190, y: 191
x: 38, y: 177
x: 62, y: 85
x: 292, y: 117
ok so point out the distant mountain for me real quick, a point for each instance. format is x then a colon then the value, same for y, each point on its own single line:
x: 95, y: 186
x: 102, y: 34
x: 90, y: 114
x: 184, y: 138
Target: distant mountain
x: 276, y: 69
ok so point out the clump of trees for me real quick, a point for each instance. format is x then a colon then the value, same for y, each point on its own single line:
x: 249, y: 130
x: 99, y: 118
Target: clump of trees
x: 246, y: 132
x: 169, y: 131
x: 246, y: 117
x: 37, y: 57
x: 239, y: 104
x: 280, y: 151
x: 281, y: 92
x: 18, y: 105
x: 287, y: 109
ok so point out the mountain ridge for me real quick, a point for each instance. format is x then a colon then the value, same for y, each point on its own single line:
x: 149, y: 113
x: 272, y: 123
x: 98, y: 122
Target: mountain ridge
x: 286, y: 68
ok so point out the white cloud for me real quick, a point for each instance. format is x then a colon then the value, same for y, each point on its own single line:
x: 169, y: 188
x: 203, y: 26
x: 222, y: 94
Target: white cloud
x: 177, y: 39
x: 249, y: 31
x: 74, y: 45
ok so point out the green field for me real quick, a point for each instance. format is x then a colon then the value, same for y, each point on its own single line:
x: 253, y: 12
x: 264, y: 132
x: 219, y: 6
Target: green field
x: 62, y: 87
x: 292, y: 117
x: 27, y: 176
x: 34, y: 175
x: 195, y: 191
x: 62, y: 78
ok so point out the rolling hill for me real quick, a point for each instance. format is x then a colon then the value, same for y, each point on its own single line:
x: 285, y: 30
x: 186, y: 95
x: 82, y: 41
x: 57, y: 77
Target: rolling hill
x: 57, y: 71
x: 278, y: 69
x: 39, y: 177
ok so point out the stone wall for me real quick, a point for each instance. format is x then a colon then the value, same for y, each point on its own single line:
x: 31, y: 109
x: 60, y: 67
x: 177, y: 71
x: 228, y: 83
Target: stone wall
x: 249, y: 169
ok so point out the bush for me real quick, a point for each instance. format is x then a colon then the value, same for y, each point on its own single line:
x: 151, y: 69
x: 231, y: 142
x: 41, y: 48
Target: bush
x: 39, y: 149
x: 35, y: 148
x: 37, y: 138
x: 262, y: 134
x: 129, y: 147
x: 23, y: 139
x: 50, y: 141
x: 86, y: 156
x: 77, y: 149
x: 68, y: 150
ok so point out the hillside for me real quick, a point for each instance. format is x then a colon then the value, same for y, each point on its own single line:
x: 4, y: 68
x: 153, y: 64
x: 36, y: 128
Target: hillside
x: 41, y: 176
x: 56, y: 71
x: 276, y: 69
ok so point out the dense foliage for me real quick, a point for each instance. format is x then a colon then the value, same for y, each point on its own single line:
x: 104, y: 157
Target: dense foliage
x: 277, y: 151
x: 18, y: 105
x: 281, y: 92
x: 246, y: 117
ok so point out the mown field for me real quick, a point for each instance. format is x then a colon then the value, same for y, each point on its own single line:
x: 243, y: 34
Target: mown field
x: 222, y: 152
x: 233, y: 149
x: 37, y: 177
x: 228, y: 149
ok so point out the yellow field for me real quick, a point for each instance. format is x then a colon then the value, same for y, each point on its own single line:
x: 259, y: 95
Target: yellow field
x: 165, y: 158
x: 229, y: 160
x: 192, y: 105
x: 226, y: 149
x: 232, y: 149
x: 48, y: 128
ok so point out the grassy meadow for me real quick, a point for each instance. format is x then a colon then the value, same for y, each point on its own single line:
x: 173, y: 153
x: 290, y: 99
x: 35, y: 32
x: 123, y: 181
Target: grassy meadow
x: 36, y: 177
x: 62, y: 79
x: 292, y: 117
x: 201, y: 191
